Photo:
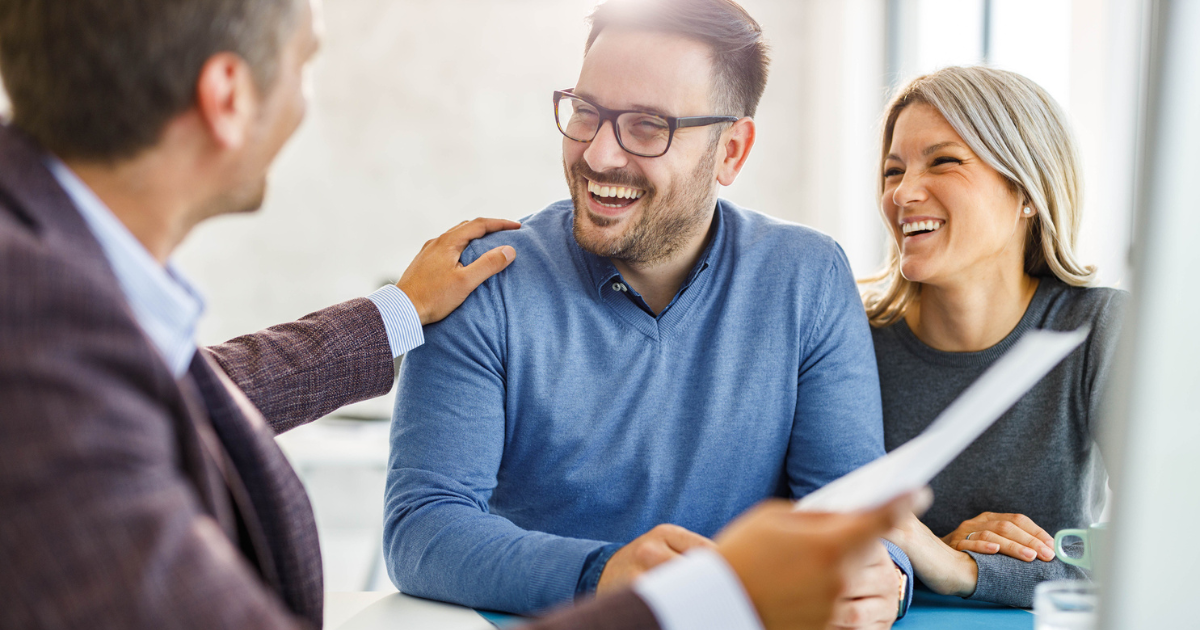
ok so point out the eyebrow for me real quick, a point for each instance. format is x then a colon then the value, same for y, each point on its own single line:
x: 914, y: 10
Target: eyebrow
x: 932, y: 149
x: 648, y: 109
x: 939, y: 146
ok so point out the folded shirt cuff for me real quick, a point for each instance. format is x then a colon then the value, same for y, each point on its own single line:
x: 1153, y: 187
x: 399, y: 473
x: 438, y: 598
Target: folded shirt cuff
x: 900, y: 559
x: 400, y: 319
x: 593, y: 568
x: 699, y: 590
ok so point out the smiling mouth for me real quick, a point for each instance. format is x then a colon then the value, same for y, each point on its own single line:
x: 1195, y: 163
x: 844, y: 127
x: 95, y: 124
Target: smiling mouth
x: 614, y: 196
x: 917, y: 228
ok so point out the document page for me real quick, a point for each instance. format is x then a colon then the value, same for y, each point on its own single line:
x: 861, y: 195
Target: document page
x: 915, y: 464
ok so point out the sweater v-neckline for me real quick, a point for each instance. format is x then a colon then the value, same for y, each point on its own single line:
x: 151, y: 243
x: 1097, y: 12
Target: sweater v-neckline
x: 612, y: 290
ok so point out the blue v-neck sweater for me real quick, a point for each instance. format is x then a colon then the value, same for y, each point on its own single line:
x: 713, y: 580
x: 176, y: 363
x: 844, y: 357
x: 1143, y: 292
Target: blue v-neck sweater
x: 552, y: 418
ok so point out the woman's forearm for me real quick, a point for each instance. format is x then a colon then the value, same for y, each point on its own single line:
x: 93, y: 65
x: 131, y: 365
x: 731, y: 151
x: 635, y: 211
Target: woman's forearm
x: 942, y: 569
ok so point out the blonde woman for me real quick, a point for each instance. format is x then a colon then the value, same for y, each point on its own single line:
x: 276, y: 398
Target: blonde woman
x: 980, y: 192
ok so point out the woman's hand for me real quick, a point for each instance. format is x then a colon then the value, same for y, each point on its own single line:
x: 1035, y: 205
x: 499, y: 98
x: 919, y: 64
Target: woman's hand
x: 941, y: 568
x: 1013, y: 535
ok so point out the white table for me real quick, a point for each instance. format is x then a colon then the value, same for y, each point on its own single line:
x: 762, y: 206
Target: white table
x: 396, y: 611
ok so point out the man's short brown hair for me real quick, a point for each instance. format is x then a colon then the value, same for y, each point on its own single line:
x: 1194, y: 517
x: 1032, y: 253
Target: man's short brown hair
x: 100, y: 79
x: 739, y: 53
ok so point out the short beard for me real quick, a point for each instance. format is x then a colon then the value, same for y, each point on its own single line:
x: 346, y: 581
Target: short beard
x: 665, y: 225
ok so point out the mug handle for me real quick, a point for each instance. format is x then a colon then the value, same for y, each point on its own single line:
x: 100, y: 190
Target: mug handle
x: 1085, y: 560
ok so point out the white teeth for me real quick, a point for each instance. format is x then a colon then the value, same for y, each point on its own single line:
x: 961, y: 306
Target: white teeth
x: 619, y: 192
x: 921, y: 226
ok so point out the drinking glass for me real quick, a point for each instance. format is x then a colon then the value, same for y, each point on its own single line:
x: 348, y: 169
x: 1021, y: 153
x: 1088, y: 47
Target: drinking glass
x: 1065, y: 605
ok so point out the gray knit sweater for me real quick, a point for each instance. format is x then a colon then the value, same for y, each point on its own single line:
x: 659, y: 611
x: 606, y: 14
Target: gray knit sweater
x: 1039, y: 459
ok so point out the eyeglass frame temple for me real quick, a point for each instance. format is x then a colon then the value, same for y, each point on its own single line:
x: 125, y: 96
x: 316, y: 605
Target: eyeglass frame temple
x: 611, y: 115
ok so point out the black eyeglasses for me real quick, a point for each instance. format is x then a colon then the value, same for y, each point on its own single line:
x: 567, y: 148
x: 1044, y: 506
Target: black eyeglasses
x: 640, y: 133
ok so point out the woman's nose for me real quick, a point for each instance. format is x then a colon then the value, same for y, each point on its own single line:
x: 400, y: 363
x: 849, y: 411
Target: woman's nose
x: 910, y: 190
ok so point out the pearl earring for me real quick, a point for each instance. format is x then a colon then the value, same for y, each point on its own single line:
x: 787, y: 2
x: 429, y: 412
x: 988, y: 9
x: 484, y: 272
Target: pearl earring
x: 1028, y: 211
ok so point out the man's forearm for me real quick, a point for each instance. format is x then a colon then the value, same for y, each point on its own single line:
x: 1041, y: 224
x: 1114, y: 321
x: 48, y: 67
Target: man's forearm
x: 297, y: 372
x: 440, y: 544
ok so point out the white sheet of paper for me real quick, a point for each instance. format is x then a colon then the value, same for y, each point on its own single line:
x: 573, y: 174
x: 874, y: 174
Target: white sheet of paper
x: 914, y: 464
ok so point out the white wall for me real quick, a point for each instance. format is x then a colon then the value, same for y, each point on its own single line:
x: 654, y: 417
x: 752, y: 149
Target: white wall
x: 428, y: 113
x: 425, y: 114
x: 1106, y: 92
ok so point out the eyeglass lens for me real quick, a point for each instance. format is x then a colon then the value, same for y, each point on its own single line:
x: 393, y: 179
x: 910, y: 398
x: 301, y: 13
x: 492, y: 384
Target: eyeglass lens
x: 643, y: 134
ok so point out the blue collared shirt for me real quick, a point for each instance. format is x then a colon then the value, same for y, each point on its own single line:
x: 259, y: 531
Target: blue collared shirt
x: 552, y: 418
x: 166, y: 305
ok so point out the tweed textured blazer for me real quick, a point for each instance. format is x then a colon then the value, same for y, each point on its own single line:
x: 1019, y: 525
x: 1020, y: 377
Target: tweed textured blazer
x: 131, y: 499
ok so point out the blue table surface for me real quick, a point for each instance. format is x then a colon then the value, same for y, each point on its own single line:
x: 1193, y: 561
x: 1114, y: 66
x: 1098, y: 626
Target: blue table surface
x: 937, y: 612
x: 929, y: 612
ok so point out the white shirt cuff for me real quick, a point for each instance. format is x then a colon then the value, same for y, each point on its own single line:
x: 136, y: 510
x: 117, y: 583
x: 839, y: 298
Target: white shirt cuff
x: 699, y: 590
x: 400, y: 319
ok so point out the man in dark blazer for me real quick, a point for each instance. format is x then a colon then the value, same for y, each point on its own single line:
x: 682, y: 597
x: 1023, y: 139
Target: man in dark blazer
x: 140, y: 484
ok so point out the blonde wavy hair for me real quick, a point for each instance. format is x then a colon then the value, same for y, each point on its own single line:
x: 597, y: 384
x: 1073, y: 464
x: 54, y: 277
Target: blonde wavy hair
x: 1017, y: 128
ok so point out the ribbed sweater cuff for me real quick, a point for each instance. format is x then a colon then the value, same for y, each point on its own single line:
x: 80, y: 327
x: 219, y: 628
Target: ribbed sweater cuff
x: 998, y: 584
x: 593, y: 568
x: 554, y: 574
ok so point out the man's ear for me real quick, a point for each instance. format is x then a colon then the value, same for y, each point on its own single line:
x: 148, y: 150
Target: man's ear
x: 736, y: 143
x: 227, y: 99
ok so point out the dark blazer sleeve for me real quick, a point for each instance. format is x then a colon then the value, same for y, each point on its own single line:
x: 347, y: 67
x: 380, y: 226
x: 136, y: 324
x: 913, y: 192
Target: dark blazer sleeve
x: 297, y: 372
x: 99, y: 528
x: 620, y: 611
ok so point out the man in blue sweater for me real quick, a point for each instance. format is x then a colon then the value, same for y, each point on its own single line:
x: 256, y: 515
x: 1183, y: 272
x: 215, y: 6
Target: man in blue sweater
x: 655, y: 361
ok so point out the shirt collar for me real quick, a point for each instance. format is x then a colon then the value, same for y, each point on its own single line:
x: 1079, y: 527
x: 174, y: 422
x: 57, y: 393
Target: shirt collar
x: 164, y: 303
x: 603, y: 273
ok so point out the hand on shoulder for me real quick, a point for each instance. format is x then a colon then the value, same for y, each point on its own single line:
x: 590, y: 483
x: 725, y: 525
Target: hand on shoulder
x: 437, y: 282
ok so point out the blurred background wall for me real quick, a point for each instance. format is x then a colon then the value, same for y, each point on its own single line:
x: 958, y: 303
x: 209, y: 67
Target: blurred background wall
x: 428, y: 112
